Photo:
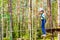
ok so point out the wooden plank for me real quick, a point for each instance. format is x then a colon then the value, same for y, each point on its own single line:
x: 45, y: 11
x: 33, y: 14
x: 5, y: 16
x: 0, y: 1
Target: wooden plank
x: 49, y: 30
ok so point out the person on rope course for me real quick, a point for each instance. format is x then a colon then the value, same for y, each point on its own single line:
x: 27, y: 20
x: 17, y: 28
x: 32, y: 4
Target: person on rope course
x: 43, y: 21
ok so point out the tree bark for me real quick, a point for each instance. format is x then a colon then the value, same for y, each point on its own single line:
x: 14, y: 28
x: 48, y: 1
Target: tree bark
x: 50, y: 17
x: 18, y: 15
x: 2, y: 18
x: 11, y: 21
x: 30, y: 19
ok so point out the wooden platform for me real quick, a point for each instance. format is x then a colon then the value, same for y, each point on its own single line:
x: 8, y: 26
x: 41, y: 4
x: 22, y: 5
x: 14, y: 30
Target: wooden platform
x: 53, y: 29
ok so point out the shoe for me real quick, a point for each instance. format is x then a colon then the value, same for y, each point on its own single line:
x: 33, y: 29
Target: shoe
x: 44, y: 35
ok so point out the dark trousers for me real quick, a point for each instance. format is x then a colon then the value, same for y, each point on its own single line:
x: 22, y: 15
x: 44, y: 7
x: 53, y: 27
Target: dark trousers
x: 43, y: 26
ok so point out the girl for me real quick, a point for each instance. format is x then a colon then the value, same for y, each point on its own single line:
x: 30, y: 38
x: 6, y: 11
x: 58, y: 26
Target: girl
x: 43, y: 21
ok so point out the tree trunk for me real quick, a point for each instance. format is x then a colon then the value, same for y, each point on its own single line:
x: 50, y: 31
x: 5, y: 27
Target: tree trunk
x: 18, y: 14
x: 58, y: 13
x: 36, y: 20
x: 30, y: 19
x: 0, y: 27
x: 7, y: 29
x: 50, y: 17
x: 11, y: 21
x: 2, y: 18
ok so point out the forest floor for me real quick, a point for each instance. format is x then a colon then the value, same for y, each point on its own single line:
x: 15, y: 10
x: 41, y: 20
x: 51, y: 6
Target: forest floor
x: 55, y: 38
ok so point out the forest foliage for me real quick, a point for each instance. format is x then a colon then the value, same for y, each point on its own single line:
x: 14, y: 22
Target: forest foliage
x: 21, y: 29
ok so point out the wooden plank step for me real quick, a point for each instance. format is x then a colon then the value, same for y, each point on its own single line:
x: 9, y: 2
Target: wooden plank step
x: 53, y: 29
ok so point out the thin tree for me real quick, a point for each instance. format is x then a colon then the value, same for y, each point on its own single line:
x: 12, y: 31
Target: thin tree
x: 0, y: 26
x: 6, y: 29
x: 58, y: 13
x: 2, y: 17
x: 36, y: 20
x: 18, y: 14
x: 11, y: 21
x: 30, y: 19
x: 50, y: 17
